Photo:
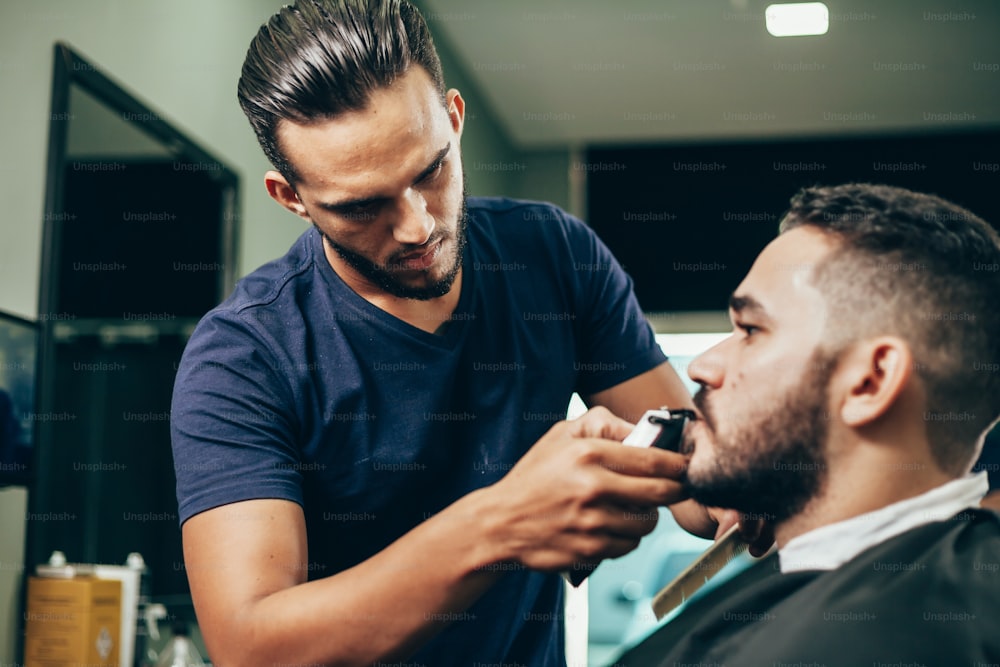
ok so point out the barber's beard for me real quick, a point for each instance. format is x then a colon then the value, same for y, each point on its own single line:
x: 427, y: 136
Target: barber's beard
x: 387, y: 280
x: 775, y: 464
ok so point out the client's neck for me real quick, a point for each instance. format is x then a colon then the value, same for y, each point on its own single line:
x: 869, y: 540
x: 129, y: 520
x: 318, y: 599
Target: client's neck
x: 869, y: 479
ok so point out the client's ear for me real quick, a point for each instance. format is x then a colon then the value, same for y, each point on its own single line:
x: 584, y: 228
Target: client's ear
x: 873, y: 374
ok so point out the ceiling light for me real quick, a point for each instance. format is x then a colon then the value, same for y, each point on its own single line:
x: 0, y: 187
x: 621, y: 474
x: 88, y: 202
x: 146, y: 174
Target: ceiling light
x: 797, y: 18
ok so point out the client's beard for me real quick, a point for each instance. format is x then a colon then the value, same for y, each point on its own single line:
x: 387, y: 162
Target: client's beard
x: 773, y: 466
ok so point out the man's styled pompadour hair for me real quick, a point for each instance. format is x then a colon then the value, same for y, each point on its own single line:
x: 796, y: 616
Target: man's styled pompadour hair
x: 316, y: 59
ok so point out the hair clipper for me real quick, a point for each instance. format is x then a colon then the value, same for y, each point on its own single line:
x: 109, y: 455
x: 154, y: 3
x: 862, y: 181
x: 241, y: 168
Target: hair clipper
x: 662, y: 429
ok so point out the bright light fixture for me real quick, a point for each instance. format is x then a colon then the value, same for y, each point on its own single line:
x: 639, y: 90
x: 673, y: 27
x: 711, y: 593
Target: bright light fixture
x: 797, y: 18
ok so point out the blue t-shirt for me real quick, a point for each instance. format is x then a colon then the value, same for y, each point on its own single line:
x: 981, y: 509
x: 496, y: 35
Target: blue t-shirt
x: 297, y: 388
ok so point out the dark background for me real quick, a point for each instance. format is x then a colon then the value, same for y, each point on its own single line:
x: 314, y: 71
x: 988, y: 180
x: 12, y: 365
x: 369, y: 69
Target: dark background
x: 721, y: 217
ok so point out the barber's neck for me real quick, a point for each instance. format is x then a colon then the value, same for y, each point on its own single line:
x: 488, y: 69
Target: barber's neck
x: 431, y: 315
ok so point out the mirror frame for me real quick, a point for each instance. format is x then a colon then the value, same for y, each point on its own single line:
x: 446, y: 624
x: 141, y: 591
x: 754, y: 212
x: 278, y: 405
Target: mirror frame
x: 72, y: 69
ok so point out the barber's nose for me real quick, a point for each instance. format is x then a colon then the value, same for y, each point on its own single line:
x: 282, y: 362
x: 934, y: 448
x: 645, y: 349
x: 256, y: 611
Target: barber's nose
x: 414, y: 224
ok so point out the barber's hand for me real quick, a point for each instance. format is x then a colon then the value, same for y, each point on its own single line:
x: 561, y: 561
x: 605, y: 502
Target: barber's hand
x: 758, y: 533
x: 580, y: 496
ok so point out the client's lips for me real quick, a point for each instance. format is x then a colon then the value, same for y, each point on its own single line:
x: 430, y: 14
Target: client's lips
x: 695, y: 422
x: 687, y: 444
x: 687, y: 413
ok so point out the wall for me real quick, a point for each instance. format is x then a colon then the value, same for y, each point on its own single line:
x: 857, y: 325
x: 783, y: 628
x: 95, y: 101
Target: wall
x: 493, y: 164
x: 13, y: 507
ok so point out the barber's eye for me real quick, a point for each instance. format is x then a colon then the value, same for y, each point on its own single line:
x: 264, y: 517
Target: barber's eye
x: 361, y: 213
x: 434, y: 172
x: 748, y: 329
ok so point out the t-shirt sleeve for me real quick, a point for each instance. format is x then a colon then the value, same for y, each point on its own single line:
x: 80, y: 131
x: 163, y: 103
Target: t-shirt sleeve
x: 232, y: 431
x: 616, y: 342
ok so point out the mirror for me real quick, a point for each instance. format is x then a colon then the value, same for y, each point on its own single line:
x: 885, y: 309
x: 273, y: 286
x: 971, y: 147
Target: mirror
x: 139, y: 241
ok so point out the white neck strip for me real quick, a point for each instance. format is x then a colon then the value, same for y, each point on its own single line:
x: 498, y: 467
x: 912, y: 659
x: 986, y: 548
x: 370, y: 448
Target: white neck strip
x: 828, y: 547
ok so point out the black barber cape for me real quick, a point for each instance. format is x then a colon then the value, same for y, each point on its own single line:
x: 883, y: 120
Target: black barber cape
x: 930, y: 596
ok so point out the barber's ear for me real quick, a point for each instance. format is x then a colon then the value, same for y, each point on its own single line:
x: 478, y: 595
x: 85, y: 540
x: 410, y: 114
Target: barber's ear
x: 456, y: 110
x: 282, y: 192
x: 873, y: 375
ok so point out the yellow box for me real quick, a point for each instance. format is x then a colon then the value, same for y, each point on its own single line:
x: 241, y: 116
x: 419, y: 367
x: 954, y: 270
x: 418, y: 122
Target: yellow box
x: 71, y: 622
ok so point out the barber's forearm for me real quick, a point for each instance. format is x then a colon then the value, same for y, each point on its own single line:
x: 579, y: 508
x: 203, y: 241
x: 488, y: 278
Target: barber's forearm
x: 992, y: 501
x: 383, y: 609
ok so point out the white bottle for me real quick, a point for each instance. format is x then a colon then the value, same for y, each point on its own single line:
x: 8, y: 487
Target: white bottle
x: 181, y: 651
